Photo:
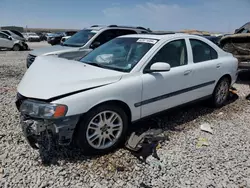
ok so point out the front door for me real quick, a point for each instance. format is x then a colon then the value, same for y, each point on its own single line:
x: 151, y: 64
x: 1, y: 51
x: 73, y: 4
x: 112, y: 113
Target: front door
x: 164, y: 90
x: 5, y: 42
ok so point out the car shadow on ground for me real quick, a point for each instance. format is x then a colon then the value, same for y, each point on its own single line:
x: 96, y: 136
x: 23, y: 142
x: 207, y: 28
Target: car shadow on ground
x: 243, y: 77
x: 170, y: 121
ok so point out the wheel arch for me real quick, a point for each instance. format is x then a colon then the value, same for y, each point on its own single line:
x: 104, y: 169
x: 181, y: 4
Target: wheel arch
x: 226, y: 76
x: 118, y: 103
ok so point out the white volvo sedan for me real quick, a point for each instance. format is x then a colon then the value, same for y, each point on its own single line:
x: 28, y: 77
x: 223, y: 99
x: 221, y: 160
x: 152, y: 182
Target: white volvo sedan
x: 92, y: 102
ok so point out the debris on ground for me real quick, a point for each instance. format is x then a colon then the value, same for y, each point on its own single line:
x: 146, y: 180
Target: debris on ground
x: 220, y: 114
x: 202, y: 142
x: 206, y: 127
x: 146, y: 144
x: 233, y: 94
x: 143, y: 185
x: 233, y: 90
x: 248, y: 97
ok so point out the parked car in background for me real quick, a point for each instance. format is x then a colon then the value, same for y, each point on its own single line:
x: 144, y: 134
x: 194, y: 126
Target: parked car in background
x: 32, y: 37
x: 64, y: 39
x: 14, y: 34
x: 48, y: 35
x: 214, y: 39
x: 239, y: 45
x: 8, y: 42
x: 94, y: 101
x: 42, y: 36
x: 56, y: 39
x: 18, y: 36
x: 84, y: 41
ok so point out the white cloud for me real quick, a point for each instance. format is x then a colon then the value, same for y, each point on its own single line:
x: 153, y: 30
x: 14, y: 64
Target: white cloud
x: 212, y: 15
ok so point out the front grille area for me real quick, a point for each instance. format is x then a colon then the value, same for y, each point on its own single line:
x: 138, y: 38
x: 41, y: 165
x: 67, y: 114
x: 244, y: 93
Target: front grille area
x: 30, y: 60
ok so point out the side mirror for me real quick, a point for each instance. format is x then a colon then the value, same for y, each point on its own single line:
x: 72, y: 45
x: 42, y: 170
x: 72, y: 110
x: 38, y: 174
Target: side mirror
x: 9, y: 37
x: 95, y: 45
x: 159, y: 67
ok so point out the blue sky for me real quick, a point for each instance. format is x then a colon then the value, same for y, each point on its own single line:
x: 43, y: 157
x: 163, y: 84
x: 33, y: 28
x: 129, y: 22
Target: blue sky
x: 211, y: 15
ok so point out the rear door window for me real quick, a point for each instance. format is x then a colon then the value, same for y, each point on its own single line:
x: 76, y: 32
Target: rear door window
x: 8, y: 33
x: 3, y: 36
x: 202, y: 51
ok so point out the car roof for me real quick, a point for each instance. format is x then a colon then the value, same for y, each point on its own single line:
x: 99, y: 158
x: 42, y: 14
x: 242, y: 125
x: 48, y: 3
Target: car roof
x: 100, y: 27
x: 156, y: 36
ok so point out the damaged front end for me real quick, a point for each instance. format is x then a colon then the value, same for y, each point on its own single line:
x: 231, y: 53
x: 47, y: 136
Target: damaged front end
x: 238, y: 44
x: 61, y: 130
x: 44, y: 124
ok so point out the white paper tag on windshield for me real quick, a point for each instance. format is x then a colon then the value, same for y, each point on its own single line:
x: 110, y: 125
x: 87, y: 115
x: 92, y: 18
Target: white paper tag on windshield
x: 94, y: 31
x: 151, y: 41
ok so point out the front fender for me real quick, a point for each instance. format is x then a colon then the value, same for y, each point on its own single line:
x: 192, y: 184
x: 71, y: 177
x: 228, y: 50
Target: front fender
x: 128, y: 91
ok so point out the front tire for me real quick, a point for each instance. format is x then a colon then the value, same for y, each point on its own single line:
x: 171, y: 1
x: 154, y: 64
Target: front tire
x: 102, y: 129
x: 221, y: 92
x: 16, y: 47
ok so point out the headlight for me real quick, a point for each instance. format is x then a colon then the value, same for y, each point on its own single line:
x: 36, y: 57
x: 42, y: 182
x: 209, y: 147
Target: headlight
x: 52, y: 38
x: 43, y: 110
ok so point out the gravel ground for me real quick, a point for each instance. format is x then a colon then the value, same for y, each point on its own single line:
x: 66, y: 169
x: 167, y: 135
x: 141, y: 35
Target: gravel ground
x: 224, y: 162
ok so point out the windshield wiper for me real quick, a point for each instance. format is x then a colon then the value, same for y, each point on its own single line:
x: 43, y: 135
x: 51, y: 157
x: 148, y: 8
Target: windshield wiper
x: 94, y: 64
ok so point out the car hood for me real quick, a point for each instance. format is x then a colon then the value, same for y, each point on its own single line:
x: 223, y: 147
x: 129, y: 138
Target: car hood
x: 50, y: 77
x: 52, y: 50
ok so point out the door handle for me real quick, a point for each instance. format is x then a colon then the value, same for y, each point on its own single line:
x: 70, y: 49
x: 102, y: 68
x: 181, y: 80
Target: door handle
x: 187, y: 72
x: 218, y: 65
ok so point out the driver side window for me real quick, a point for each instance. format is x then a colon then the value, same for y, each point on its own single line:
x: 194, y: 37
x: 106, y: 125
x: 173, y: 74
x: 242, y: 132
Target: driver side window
x: 174, y: 53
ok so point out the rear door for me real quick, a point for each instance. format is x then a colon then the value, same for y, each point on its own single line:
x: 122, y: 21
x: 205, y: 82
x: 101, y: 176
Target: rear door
x: 206, y: 67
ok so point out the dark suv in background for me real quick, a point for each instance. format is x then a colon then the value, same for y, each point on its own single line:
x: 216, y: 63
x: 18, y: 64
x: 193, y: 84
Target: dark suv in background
x: 56, y: 39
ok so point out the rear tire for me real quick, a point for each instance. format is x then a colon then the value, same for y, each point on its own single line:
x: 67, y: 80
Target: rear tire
x: 221, y: 92
x: 102, y: 130
x: 16, y: 47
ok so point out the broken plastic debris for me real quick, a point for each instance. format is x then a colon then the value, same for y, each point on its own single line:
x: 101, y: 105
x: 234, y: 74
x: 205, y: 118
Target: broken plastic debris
x: 221, y: 113
x: 202, y: 142
x: 146, y: 144
x: 206, y: 127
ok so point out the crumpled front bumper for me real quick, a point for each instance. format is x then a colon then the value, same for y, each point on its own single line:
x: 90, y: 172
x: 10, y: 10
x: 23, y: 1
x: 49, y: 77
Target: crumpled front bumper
x: 62, y: 130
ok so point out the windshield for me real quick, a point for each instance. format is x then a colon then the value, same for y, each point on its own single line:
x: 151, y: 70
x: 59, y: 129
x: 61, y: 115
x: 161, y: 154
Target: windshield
x: 120, y: 54
x: 80, y: 38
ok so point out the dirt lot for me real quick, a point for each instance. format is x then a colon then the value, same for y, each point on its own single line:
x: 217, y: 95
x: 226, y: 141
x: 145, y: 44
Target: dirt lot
x: 224, y: 162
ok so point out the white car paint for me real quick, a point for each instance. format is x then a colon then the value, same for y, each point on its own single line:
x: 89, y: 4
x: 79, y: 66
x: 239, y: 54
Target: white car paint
x: 28, y: 36
x: 50, y: 77
x: 65, y: 38
x: 8, y: 41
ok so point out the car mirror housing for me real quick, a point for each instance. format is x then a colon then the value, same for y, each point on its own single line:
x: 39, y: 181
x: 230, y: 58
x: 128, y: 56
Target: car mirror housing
x: 9, y: 37
x: 159, y: 67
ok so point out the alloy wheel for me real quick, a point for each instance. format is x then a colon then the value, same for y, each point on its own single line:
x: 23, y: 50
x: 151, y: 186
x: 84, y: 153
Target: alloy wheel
x: 104, y: 129
x: 222, y: 92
